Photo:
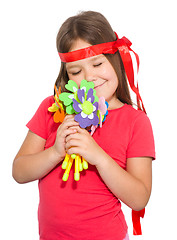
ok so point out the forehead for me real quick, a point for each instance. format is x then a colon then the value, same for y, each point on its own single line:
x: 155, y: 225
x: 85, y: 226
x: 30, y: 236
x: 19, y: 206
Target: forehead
x: 79, y: 44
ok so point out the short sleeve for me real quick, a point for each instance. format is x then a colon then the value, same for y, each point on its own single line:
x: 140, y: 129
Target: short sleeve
x: 38, y: 123
x: 141, y: 142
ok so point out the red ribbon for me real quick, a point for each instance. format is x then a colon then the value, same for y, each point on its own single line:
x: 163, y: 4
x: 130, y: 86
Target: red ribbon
x: 136, y: 221
x: 124, y: 51
x: 123, y: 46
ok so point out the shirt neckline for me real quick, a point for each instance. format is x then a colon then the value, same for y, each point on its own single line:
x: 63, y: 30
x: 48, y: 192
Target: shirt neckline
x: 118, y: 109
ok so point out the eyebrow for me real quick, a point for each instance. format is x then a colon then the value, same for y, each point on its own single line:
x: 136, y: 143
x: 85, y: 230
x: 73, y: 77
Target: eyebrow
x: 98, y: 57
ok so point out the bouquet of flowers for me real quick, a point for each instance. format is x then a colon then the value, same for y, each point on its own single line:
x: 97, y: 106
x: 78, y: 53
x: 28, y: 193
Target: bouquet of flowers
x: 89, y: 110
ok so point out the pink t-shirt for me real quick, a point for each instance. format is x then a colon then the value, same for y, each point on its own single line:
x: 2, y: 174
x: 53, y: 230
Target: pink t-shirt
x: 87, y: 210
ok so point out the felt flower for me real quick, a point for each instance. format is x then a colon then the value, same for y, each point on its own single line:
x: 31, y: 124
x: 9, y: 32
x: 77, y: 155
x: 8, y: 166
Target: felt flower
x: 83, y: 102
x: 101, y: 113
x: 57, y: 107
x: 102, y: 110
x: 85, y: 108
x: 67, y: 97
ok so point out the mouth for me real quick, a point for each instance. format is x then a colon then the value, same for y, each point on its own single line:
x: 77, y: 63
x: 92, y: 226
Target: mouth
x: 98, y: 86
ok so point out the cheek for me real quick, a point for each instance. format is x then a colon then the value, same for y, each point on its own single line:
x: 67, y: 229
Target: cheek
x: 107, y: 72
x: 110, y: 76
x: 76, y: 79
x: 113, y: 79
x: 103, y: 73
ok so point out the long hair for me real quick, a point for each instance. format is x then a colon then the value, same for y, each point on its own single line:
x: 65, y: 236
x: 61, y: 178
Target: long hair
x: 93, y: 28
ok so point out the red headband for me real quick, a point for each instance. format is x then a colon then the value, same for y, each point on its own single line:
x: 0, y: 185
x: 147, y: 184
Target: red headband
x: 123, y: 46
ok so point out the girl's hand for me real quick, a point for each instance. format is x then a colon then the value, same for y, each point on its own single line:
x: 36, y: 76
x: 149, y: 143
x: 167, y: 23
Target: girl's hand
x: 83, y: 144
x: 66, y: 128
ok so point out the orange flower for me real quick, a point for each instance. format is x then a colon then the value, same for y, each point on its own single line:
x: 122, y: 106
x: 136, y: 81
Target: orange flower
x: 57, y: 107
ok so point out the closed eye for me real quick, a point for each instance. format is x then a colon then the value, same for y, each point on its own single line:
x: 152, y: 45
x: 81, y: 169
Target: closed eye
x: 75, y: 73
x: 97, y: 65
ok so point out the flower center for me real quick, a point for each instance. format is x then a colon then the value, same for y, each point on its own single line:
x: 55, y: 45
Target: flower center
x: 87, y: 107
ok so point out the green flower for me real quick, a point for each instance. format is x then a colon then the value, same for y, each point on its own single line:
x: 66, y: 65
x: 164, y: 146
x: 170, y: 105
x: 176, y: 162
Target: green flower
x: 67, y: 98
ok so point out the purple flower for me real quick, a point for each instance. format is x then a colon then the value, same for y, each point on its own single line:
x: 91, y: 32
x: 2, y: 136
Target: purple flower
x: 86, y: 108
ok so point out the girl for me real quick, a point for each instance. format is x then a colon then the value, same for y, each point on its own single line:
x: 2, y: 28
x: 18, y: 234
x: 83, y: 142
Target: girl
x: 119, y: 154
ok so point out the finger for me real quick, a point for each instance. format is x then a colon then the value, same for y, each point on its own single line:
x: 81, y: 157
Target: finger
x: 68, y: 132
x: 68, y: 123
x: 73, y: 143
x: 79, y: 129
x: 70, y: 116
x: 73, y: 135
x: 75, y: 127
x: 68, y: 119
x: 71, y: 123
x: 74, y: 150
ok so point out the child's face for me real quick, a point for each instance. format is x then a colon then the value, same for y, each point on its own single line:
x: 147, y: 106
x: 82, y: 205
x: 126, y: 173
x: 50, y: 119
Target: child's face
x: 96, y: 69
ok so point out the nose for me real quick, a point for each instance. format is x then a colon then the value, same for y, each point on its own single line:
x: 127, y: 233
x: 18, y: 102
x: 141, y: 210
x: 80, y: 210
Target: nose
x: 89, y: 75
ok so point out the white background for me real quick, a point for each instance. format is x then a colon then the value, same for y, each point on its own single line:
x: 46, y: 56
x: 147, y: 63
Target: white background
x: 29, y: 65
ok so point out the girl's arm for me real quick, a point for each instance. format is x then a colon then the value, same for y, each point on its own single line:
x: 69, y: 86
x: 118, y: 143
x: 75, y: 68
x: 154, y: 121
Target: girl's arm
x: 33, y: 162
x: 133, y: 186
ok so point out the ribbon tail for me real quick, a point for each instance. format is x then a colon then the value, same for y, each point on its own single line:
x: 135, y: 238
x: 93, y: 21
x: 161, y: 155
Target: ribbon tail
x: 128, y: 66
x: 136, y: 221
x: 138, y: 101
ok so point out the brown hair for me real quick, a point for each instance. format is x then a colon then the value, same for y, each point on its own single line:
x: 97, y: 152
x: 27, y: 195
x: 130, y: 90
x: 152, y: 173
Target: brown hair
x: 93, y: 28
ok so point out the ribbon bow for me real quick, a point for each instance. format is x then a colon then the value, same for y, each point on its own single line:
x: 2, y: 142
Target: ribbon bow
x: 123, y: 45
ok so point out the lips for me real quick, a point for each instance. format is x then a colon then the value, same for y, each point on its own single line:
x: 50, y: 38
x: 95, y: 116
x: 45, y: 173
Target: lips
x: 99, y: 85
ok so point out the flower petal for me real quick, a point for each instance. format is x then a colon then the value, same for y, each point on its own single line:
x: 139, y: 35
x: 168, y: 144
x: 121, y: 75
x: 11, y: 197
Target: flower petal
x: 102, y: 105
x: 65, y: 99
x: 71, y: 86
x: 59, y: 116
x: 76, y: 106
x: 91, y: 116
x: 75, y: 89
x: 90, y: 96
x: 95, y: 106
x: 87, y: 85
x: 83, y: 115
x: 84, y: 88
x: 70, y: 109
x: 95, y: 120
x: 83, y: 122
x: 81, y: 95
x: 53, y: 108
x: 71, y: 96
